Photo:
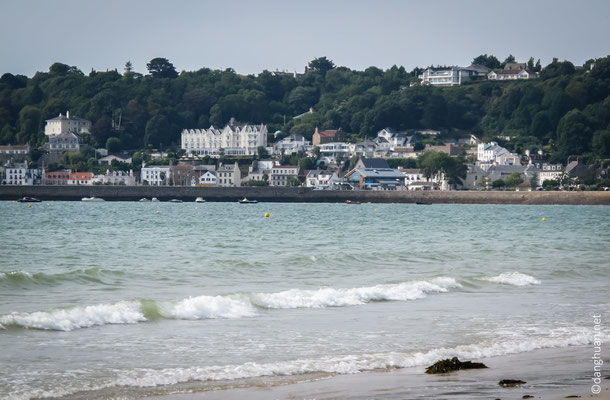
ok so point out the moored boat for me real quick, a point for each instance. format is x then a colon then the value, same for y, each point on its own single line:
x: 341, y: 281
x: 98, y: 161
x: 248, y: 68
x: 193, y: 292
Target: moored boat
x: 175, y: 201
x: 92, y: 199
x: 28, y: 199
x: 155, y: 200
x: 351, y: 202
x: 144, y: 200
x: 199, y: 200
x: 246, y: 201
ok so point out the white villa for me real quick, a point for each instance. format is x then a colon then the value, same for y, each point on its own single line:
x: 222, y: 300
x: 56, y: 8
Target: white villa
x: 550, y: 172
x: 155, y: 175
x: 233, y: 140
x: 320, y: 178
x: 19, y: 174
x: 116, y: 178
x: 228, y: 175
x: 207, y: 178
x: 450, y: 76
x: 292, y: 144
x: 511, y: 74
x: 493, y: 154
x: 65, y: 123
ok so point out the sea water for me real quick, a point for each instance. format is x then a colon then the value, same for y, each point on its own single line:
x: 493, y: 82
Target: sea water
x: 102, y: 299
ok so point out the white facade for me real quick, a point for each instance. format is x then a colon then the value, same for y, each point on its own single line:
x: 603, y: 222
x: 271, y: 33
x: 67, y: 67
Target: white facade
x: 63, y: 124
x: 550, y: 172
x: 208, y: 178
x: 334, y: 150
x: 155, y: 175
x: 493, y: 154
x: 19, y: 174
x: 65, y: 141
x: 108, y: 160
x: 292, y: 144
x: 116, y: 178
x: 228, y: 176
x: 320, y: 178
x: 511, y: 74
x: 281, y: 174
x: 233, y: 140
x: 452, y: 76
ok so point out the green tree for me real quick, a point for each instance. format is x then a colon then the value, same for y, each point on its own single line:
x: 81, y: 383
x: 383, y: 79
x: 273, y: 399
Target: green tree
x: 488, y: 61
x: 157, y: 131
x: 514, y: 180
x: 573, y: 134
x: 509, y: 59
x: 29, y: 123
x: 321, y: 65
x: 113, y: 145
x: 498, y: 184
x: 161, y: 68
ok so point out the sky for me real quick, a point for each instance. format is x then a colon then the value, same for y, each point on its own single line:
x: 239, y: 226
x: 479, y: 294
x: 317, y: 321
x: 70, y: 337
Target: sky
x: 255, y: 35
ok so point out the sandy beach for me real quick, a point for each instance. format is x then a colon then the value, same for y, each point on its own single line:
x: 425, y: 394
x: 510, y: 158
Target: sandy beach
x: 548, y: 373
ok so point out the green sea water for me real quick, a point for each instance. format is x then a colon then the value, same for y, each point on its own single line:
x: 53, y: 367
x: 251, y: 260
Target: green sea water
x: 98, y: 299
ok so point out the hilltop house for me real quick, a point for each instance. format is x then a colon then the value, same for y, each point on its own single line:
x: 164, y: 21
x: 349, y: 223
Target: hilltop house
x: 445, y: 76
x: 65, y: 123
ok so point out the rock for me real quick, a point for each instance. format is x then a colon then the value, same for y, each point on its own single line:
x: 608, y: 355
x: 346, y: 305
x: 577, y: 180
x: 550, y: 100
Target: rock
x: 450, y: 365
x: 572, y: 397
x: 511, y: 382
x: 527, y: 396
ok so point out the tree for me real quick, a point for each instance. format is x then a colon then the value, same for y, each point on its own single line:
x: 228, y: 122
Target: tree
x: 161, y: 68
x: 498, y: 183
x: 113, y: 145
x: 514, y: 180
x: 262, y: 152
x: 488, y: 61
x: 128, y: 68
x: 321, y: 65
x: 573, y: 134
x: 509, y: 59
x: 157, y: 131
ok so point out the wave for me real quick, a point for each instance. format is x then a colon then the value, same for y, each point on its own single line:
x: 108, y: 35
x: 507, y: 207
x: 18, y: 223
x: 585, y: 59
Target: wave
x: 349, y: 364
x: 331, y: 297
x: 513, y: 278
x: 20, y: 277
x: 228, y: 306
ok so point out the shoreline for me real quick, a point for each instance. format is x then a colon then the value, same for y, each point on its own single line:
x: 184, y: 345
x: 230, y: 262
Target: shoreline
x: 301, y: 195
x: 552, y: 373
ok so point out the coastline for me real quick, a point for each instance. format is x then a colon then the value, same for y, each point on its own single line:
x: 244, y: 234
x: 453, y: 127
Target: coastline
x: 301, y: 195
x: 554, y: 373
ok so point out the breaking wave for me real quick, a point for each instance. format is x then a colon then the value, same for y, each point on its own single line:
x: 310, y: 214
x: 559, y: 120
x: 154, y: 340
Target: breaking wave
x: 513, y: 278
x: 229, y: 306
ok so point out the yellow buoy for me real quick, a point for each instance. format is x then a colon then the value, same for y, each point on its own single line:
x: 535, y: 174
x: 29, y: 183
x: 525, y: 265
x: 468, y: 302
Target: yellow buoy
x: 266, y: 215
x: 29, y: 205
x: 544, y: 219
x: 158, y: 212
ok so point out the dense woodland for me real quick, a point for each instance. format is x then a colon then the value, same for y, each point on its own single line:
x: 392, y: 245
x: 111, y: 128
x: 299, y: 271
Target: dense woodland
x: 566, y: 111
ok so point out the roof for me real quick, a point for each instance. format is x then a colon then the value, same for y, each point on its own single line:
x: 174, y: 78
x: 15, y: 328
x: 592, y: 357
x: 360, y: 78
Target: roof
x: 514, y: 72
x: 380, y: 173
x: 286, y: 166
x: 374, y: 163
x: 328, y: 132
x: 15, y: 147
x: 62, y: 117
x: 411, y: 171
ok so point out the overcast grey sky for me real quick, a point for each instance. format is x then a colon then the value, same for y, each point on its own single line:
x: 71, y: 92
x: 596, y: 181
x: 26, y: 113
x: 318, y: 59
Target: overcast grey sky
x: 250, y: 36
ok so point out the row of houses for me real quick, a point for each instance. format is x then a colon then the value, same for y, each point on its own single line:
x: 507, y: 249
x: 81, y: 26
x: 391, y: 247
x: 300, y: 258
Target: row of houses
x: 455, y: 76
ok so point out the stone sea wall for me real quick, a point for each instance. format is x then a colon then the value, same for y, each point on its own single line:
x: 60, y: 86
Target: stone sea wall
x: 303, y: 195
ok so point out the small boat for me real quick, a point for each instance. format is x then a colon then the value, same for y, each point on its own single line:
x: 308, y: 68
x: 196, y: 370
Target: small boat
x: 199, y: 200
x: 423, y: 203
x: 351, y: 202
x: 28, y: 199
x: 246, y: 201
x: 144, y: 200
x: 155, y: 200
x: 92, y: 198
x: 175, y: 201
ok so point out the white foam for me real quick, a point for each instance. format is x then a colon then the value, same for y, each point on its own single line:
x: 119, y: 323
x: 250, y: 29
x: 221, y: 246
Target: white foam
x: 349, y: 364
x: 202, y: 307
x: 331, y: 297
x: 125, y: 312
x: 513, y: 278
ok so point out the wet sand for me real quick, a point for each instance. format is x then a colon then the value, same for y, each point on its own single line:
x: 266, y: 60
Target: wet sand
x: 548, y: 373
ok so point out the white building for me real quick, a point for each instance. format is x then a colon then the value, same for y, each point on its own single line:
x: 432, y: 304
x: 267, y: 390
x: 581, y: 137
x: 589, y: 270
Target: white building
x: 116, y: 178
x: 412, y: 175
x: 320, y: 178
x: 550, y: 172
x: 334, y: 150
x: 207, y: 178
x: 228, y: 175
x: 63, y: 124
x: 512, y: 74
x: 281, y: 175
x: 450, y: 76
x: 493, y: 154
x: 260, y: 170
x: 155, y: 175
x: 233, y: 140
x: 109, y: 159
x: 292, y: 144
x: 19, y: 174
x: 62, y: 142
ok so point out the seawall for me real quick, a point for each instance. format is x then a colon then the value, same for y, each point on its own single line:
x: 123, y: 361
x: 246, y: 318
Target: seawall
x: 299, y: 195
